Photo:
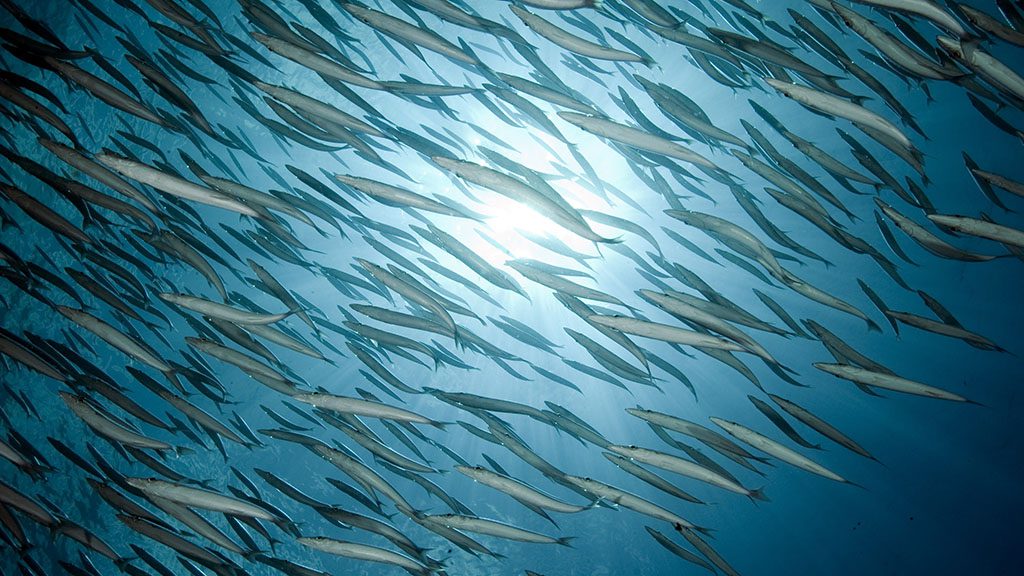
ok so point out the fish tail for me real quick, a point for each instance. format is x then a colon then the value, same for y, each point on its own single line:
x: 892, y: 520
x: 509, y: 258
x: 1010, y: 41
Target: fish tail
x: 252, y: 554
x: 703, y: 530
x: 566, y: 541
x: 855, y: 484
x: 759, y: 495
x: 173, y: 378
x: 459, y: 341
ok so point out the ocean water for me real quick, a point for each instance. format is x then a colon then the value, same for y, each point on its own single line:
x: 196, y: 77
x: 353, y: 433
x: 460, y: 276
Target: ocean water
x: 941, y: 497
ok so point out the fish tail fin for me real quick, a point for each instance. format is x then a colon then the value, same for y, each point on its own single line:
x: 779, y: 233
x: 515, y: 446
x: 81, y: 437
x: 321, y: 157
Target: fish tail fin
x: 288, y: 525
x: 873, y: 326
x: 173, y: 378
x: 855, y: 484
x: 566, y: 541
x: 459, y: 341
x: 759, y: 495
x: 183, y: 450
x: 252, y: 554
x: 703, y: 530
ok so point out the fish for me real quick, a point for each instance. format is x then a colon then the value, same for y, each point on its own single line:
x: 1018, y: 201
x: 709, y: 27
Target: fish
x: 769, y: 446
x: 199, y: 498
x: 396, y: 195
x: 665, y: 332
x: 877, y: 379
x: 123, y: 342
x: 315, y: 62
x: 518, y: 191
x: 402, y: 30
x: 923, y: 8
x: 819, y: 425
x: 571, y: 42
x: 980, y: 228
x: 171, y: 184
x: 836, y: 106
x: 685, y: 468
x: 497, y: 529
x: 44, y: 215
x: 635, y: 138
x: 895, y: 51
x: 518, y: 490
x: 108, y: 428
x: 943, y: 328
x: 927, y: 239
x: 678, y: 550
x: 365, y: 408
x: 221, y: 311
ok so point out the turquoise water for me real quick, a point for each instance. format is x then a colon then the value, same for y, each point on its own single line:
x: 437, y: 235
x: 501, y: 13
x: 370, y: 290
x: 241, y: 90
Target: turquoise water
x: 941, y: 498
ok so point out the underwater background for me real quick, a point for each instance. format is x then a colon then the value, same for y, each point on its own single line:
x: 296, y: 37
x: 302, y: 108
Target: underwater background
x: 941, y: 495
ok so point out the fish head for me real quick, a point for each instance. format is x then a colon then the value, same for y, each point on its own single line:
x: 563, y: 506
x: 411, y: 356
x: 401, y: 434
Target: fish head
x: 444, y: 162
x: 953, y: 47
x: 522, y: 13
x: 142, y: 483
x: 360, y: 13
x: 785, y: 88
x: 845, y: 14
x: 574, y: 118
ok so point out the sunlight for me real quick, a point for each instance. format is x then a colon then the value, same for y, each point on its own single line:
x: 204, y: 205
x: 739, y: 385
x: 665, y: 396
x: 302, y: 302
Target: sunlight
x: 510, y: 224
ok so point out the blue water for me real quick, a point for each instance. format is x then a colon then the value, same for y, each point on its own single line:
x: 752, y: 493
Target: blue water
x: 943, y: 497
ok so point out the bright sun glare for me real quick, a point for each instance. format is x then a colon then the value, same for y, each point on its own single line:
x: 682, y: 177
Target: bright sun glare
x: 509, y: 223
